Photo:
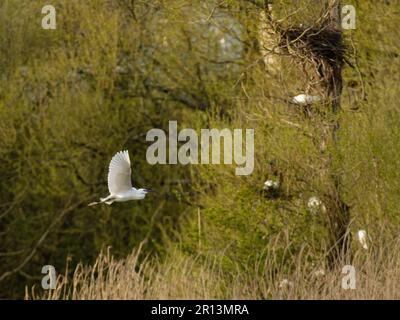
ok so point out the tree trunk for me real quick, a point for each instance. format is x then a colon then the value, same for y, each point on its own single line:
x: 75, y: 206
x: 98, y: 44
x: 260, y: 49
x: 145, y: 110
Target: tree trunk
x: 339, y: 211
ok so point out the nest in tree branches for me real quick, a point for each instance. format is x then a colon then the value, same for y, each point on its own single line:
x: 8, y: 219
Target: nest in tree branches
x: 315, y: 43
x: 319, y: 46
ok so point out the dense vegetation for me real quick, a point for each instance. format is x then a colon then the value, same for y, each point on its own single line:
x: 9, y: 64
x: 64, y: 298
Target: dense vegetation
x: 113, y: 69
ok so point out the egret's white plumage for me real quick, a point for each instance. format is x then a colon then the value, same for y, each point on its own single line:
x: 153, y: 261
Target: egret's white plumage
x: 362, y: 238
x: 314, y: 202
x: 119, y: 173
x: 305, y: 99
x: 119, y: 181
x: 315, y: 205
x: 271, y: 184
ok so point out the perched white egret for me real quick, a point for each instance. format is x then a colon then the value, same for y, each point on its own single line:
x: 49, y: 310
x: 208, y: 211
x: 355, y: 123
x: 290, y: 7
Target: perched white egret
x: 305, y: 99
x: 314, y: 202
x: 271, y: 185
x: 315, y: 205
x: 119, y: 181
x: 362, y: 238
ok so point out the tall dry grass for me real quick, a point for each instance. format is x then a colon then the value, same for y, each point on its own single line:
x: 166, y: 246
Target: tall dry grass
x: 183, y: 277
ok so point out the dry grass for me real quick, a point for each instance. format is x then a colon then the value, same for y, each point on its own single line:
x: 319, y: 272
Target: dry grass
x: 182, y: 277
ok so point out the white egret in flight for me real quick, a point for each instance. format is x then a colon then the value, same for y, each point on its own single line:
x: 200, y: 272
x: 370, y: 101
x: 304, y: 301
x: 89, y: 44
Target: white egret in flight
x: 119, y: 181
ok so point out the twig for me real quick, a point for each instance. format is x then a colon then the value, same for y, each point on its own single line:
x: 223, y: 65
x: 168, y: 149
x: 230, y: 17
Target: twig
x: 39, y: 243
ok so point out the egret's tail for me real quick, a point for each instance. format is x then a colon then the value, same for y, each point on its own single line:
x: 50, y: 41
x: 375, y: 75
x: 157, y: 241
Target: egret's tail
x: 102, y: 200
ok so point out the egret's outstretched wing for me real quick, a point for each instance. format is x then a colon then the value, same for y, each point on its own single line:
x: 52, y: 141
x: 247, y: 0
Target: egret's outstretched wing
x: 119, y: 173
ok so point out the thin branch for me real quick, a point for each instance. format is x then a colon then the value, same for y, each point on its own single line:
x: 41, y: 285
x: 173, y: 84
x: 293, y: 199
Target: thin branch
x: 39, y: 242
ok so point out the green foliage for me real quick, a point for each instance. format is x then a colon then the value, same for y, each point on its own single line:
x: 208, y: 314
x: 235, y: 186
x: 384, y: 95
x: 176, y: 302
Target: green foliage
x: 113, y: 69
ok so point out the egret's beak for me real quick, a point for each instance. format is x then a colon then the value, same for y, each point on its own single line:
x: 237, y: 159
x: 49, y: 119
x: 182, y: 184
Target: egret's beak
x: 149, y: 190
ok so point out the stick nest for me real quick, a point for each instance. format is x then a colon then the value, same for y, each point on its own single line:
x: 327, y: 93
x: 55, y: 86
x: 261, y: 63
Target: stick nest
x: 322, y: 47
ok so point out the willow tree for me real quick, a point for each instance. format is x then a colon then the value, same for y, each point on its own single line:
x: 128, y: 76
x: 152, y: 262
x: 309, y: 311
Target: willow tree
x: 319, y: 52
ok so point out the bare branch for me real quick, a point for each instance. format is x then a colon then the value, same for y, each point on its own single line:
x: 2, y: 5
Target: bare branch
x: 39, y: 242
